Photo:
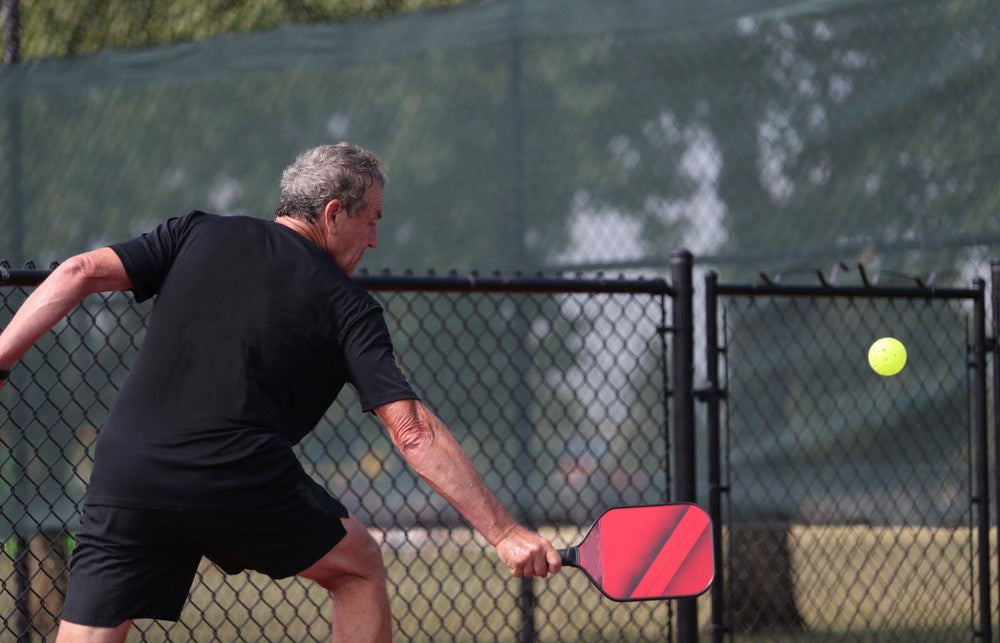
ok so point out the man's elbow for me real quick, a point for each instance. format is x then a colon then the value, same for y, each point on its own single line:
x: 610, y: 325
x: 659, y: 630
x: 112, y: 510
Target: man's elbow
x: 75, y: 267
x: 413, y: 439
x: 73, y: 274
x: 95, y: 271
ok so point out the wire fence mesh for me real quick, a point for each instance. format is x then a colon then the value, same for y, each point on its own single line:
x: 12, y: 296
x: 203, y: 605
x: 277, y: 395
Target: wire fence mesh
x: 856, y: 506
x: 853, y: 503
x: 559, y: 398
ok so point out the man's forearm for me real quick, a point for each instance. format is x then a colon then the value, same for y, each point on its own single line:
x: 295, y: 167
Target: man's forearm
x: 51, y: 301
x: 42, y: 310
x: 432, y: 451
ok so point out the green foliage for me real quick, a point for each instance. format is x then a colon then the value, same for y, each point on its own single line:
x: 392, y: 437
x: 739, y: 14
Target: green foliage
x: 57, y: 29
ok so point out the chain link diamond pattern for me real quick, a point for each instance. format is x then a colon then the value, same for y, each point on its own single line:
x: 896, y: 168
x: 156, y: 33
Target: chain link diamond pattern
x: 559, y: 399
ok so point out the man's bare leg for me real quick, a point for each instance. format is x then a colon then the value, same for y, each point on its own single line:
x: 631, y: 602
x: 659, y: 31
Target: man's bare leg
x: 354, y: 574
x: 73, y: 633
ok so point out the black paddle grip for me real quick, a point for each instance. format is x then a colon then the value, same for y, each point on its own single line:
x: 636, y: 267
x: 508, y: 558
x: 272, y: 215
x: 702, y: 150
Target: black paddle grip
x: 569, y: 556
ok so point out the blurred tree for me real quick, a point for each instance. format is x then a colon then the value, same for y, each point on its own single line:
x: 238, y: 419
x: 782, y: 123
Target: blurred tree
x: 57, y: 29
x: 530, y: 135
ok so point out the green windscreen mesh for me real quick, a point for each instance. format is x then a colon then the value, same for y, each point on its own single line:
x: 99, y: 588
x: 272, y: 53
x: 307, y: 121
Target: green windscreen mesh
x: 544, y: 135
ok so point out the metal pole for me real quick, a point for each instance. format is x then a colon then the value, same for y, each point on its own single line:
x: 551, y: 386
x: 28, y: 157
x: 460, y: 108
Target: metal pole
x: 713, y: 428
x: 982, y: 492
x: 995, y: 349
x: 526, y: 600
x: 683, y: 446
x: 12, y: 56
x: 15, y: 206
x: 12, y: 34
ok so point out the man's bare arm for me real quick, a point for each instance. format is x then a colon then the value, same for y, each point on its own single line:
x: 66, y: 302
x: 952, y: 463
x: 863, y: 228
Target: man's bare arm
x: 432, y: 451
x: 96, y: 271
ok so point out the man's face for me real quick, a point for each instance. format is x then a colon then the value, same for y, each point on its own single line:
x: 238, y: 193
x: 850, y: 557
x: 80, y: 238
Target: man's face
x: 349, y: 237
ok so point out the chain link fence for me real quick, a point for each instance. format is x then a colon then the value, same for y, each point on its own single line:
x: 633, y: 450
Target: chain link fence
x: 855, y: 506
x: 846, y: 505
x: 557, y: 390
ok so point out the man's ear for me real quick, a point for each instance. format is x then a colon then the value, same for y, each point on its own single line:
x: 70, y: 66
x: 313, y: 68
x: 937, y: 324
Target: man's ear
x: 333, y: 207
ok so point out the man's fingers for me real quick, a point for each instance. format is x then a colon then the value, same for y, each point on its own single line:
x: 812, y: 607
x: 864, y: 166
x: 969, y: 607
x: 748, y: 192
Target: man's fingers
x: 527, y: 554
x: 554, y: 560
x: 539, y: 564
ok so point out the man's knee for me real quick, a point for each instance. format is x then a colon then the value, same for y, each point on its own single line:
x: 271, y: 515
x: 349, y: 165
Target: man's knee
x: 357, y: 556
x: 368, y: 556
x: 73, y: 633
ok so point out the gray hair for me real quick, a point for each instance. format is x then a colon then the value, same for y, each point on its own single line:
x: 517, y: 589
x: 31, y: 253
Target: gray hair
x: 342, y: 171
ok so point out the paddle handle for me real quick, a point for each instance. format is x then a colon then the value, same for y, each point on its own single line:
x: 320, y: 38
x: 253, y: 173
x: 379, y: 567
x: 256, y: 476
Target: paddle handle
x: 570, y: 556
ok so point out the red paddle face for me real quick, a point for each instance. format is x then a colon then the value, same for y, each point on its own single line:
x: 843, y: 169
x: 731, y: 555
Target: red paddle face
x: 659, y: 551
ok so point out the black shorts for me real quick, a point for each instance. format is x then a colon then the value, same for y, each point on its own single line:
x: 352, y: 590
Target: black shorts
x: 137, y: 563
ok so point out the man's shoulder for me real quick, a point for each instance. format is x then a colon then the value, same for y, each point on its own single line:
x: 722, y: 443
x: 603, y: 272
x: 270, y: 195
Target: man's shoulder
x: 202, y: 217
x: 226, y: 229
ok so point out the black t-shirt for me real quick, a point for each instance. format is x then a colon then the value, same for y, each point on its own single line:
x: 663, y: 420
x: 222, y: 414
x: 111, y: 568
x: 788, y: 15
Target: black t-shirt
x: 254, y: 333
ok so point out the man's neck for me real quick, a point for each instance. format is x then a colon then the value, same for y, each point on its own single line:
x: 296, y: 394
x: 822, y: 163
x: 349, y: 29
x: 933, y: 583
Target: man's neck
x: 307, y: 229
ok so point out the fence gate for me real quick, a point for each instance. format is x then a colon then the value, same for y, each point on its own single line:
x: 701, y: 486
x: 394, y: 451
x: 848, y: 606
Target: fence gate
x: 848, y: 504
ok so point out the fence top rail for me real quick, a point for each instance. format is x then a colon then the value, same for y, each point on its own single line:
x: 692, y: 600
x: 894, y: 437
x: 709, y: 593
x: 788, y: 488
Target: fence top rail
x: 886, y: 292
x: 515, y: 284
x: 470, y: 283
x: 26, y: 277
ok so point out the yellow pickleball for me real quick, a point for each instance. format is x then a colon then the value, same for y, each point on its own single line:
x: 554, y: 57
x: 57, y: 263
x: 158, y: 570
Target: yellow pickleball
x: 887, y: 356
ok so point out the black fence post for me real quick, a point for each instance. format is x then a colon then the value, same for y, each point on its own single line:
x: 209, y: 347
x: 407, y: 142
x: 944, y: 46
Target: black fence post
x: 995, y: 349
x: 16, y: 510
x: 527, y: 600
x: 22, y: 616
x: 713, y: 395
x: 982, y: 488
x: 682, y: 443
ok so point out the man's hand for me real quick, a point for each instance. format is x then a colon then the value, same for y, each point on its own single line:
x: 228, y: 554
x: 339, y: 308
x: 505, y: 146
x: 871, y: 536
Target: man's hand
x: 528, y: 554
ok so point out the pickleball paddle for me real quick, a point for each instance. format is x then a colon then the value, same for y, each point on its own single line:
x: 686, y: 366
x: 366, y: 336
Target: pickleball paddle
x: 647, y: 552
